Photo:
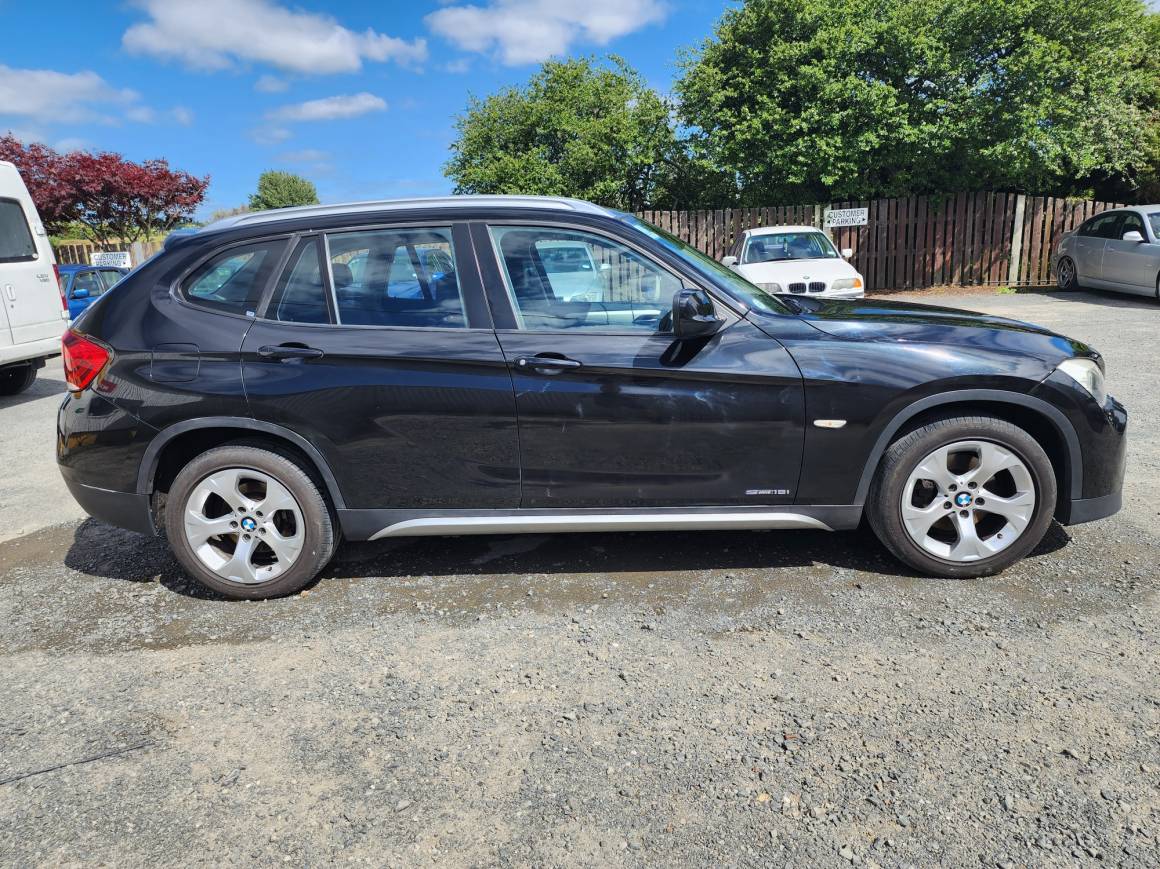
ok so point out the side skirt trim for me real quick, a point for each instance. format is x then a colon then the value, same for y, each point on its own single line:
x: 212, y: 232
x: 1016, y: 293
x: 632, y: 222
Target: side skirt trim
x: 579, y: 521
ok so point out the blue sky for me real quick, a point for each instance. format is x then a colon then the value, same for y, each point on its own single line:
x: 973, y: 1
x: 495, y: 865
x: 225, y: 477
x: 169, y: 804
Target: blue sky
x: 358, y: 96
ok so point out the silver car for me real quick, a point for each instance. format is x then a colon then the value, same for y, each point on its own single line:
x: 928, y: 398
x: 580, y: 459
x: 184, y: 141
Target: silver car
x: 1114, y: 250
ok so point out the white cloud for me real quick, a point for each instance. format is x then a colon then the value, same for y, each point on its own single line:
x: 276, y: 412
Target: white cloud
x: 217, y: 34
x: 271, y: 84
x: 330, y: 108
x: 48, y: 96
x: 182, y: 115
x: 270, y: 135
x: 529, y: 31
x: 306, y: 155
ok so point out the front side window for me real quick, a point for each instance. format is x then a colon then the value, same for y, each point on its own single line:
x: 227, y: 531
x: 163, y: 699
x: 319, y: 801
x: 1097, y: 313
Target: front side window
x: 396, y: 277
x: 1132, y: 223
x: 775, y: 247
x: 300, y: 296
x: 233, y: 280
x: 570, y: 279
x: 1154, y: 220
x: 16, y: 244
x: 87, y: 281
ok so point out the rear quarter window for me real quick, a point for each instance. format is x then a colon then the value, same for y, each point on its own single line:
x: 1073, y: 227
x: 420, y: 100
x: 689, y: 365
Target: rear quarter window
x: 16, y: 243
x: 233, y: 279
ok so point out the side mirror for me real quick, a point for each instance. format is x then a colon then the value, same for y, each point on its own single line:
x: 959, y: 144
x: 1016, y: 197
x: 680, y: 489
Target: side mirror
x: 1133, y: 235
x: 847, y: 252
x: 694, y: 315
x: 729, y: 261
x: 82, y: 293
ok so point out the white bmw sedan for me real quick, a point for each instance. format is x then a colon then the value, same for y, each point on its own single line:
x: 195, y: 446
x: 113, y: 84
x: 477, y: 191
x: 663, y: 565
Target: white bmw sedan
x: 1115, y: 250
x: 795, y: 259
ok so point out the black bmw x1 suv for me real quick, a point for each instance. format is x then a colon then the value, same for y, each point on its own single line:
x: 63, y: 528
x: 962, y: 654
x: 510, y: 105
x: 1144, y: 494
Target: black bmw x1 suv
x: 485, y: 365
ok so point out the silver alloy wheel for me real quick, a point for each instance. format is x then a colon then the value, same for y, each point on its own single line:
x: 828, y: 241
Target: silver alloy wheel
x: 968, y: 501
x: 244, y: 525
x: 1066, y: 272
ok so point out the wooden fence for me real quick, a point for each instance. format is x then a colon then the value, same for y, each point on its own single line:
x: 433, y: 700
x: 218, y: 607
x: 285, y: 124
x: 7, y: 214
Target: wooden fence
x: 920, y: 241
x: 80, y: 254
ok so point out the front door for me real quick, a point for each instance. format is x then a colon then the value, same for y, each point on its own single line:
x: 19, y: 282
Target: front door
x: 613, y: 412
x: 379, y: 355
x: 1131, y: 264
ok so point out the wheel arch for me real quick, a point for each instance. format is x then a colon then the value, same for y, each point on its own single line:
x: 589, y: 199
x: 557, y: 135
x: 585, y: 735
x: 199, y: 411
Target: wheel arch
x: 172, y: 447
x: 1047, y: 424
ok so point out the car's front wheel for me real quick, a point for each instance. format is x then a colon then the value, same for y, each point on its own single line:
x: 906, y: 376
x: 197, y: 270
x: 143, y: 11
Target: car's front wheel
x: 249, y: 522
x: 963, y: 497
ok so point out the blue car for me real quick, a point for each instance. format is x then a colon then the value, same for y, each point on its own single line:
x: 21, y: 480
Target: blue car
x: 81, y: 285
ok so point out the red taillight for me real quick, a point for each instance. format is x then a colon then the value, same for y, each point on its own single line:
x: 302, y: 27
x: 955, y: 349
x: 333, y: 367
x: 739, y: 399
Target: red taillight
x: 83, y: 359
x: 60, y: 287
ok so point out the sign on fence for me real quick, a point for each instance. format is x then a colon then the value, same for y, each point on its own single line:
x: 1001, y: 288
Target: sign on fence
x: 118, y: 259
x: 847, y: 216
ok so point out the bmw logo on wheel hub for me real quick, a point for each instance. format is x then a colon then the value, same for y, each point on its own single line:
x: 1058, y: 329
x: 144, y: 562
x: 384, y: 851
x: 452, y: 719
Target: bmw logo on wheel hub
x: 963, y: 499
x: 249, y: 524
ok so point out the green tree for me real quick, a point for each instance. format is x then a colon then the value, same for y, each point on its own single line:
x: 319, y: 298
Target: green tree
x: 582, y: 128
x: 834, y: 99
x: 281, y: 190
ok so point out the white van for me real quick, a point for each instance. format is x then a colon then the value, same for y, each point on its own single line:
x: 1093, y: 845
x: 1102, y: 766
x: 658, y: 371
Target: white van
x: 33, y: 313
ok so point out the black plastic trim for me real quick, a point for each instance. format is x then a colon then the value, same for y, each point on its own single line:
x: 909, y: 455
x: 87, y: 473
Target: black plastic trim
x: 153, y: 451
x: 1054, y: 415
x: 130, y: 510
x: 1090, y: 509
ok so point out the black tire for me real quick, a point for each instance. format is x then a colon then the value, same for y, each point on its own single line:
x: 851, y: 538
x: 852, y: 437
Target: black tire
x: 17, y: 378
x: 1066, y: 278
x: 884, y: 505
x: 319, y: 525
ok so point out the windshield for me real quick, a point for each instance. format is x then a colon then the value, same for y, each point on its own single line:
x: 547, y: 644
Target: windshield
x: 1154, y: 219
x: 710, y: 268
x: 778, y: 246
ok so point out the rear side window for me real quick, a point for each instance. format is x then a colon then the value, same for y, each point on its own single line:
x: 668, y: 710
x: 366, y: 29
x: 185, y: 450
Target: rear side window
x: 1102, y: 226
x: 233, y: 280
x: 110, y: 278
x: 300, y: 296
x: 1132, y: 223
x: 396, y: 277
x: 16, y: 244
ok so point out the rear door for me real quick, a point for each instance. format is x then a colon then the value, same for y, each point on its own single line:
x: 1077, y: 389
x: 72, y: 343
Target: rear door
x: 28, y: 286
x: 373, y: 347
x: 613, y: 412
x: 1131, y: 264
x: 1090, y: 241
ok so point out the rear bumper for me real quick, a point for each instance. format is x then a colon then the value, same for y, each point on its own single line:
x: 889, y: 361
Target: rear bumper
x: 123, y: 509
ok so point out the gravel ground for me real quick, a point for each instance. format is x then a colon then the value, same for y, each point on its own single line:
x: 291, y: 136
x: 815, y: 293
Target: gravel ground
x: 709, y: 699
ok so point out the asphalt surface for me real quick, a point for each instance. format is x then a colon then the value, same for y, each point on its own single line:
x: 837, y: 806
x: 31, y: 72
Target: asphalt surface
x: 641, y: 699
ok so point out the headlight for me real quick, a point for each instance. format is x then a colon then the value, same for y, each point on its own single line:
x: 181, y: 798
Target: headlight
x: 1087, y: 374
x: 847, y: 284
x: 772, y: 288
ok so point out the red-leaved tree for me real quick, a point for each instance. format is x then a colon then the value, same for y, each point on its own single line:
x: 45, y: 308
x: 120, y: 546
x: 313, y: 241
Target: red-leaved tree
x: 113, y: 199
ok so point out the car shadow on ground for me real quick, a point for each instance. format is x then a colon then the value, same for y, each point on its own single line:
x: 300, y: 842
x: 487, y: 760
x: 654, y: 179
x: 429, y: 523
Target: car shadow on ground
x: 44, y: 386
x: 100, y: 551
x: 1094, y: 297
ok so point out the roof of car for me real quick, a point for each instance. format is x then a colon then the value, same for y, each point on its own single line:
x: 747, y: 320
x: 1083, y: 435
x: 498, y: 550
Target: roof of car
x: 556, y: 203
x: 769, y: 230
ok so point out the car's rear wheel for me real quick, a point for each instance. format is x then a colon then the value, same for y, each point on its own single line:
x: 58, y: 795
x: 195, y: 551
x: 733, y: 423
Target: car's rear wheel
x: 17, y: 378
x: 249, y: 523
x: 963, y: 497
x: 1065, y: 274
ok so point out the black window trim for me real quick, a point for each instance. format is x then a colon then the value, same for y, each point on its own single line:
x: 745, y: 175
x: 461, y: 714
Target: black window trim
x: 31, y: 235
x: 685, y: 280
